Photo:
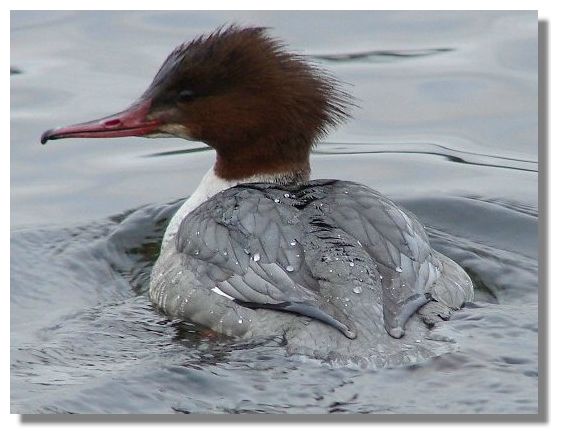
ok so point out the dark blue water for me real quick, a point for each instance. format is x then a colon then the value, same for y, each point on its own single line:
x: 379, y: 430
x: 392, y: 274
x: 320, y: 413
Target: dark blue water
x: 447, y: 126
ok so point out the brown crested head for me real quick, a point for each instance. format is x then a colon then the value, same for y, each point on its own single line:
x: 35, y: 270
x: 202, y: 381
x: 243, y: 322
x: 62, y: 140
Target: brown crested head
x: 237, y: 89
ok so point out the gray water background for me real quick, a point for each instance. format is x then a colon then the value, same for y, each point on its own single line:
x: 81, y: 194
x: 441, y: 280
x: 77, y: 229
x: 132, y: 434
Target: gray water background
x: 447, y: 126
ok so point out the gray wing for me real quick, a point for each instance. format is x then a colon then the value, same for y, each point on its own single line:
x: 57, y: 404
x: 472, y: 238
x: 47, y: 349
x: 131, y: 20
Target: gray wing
x: 247, y: 243
x: 248, y: 247
x: 398, y: 244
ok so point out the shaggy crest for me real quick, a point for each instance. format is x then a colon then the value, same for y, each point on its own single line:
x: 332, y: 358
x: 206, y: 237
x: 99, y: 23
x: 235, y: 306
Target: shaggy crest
x: 242, y: 93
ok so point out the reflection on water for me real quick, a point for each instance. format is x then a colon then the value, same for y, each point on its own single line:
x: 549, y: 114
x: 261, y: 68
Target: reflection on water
x: 446, y: 125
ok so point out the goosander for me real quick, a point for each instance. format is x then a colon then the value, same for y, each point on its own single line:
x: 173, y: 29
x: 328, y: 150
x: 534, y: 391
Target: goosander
x: 258, y: 248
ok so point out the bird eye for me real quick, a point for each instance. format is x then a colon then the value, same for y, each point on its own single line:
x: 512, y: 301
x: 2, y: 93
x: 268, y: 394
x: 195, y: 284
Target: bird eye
x: 186, y: 95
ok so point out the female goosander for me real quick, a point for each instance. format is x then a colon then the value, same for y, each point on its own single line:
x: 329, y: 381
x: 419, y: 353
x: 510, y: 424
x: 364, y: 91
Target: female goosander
x: 258, y: 248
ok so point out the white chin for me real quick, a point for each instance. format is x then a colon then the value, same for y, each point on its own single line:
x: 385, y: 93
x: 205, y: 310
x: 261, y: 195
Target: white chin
x: 173, y: 130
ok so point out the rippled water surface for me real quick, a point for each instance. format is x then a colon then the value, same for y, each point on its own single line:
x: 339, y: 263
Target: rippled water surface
x: 447, y: 126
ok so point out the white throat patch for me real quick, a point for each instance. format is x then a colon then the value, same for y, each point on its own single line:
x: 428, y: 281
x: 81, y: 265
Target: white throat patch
x: 210, y: 185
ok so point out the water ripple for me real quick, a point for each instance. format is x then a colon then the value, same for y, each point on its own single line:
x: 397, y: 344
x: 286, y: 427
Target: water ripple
x: 451, y: 154
x: 382, y: 56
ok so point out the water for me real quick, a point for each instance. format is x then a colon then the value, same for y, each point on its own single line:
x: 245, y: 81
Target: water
x: 447, y: 127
